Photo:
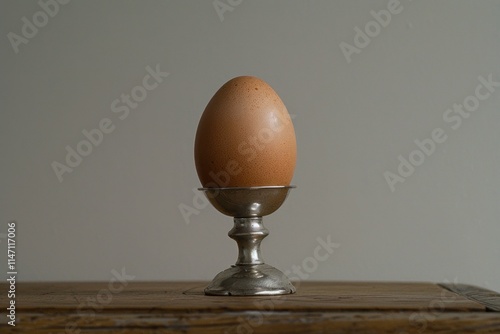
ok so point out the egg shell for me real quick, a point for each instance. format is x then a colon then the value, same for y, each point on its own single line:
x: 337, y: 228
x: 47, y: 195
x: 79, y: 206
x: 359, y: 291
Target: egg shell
x: 245, y: 137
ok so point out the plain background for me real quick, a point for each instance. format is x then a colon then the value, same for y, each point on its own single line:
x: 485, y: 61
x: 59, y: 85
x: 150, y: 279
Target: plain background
x: 120, y: 207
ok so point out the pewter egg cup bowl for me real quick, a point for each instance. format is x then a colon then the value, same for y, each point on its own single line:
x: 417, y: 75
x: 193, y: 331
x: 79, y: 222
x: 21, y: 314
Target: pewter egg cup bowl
x: 245, y: 202
x: 250, y: 276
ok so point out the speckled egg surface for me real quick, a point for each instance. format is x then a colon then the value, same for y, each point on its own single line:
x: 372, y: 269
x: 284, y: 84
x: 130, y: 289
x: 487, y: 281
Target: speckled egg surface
x: 245, y: 137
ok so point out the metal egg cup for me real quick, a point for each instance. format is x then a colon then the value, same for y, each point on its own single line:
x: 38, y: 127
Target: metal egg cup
x: 250, y: 276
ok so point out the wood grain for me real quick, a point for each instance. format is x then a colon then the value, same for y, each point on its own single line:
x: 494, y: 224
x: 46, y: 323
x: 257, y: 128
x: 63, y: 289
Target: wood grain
x: 488, y: 298
x: 181, y: 307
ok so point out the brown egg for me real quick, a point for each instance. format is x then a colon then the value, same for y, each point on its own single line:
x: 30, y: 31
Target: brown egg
x: 245, y: 137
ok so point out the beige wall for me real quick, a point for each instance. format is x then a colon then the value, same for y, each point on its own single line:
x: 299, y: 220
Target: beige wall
x: 354, y: 116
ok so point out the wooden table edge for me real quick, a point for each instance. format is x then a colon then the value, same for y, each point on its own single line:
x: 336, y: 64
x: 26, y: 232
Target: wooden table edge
x: 490, y: 299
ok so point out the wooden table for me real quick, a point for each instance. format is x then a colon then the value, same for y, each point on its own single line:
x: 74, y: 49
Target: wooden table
x: 317, y: 307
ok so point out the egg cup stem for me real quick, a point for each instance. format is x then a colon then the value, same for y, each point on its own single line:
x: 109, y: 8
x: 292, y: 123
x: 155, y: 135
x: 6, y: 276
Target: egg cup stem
x: 250, y: 276
x: 248, y: 234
